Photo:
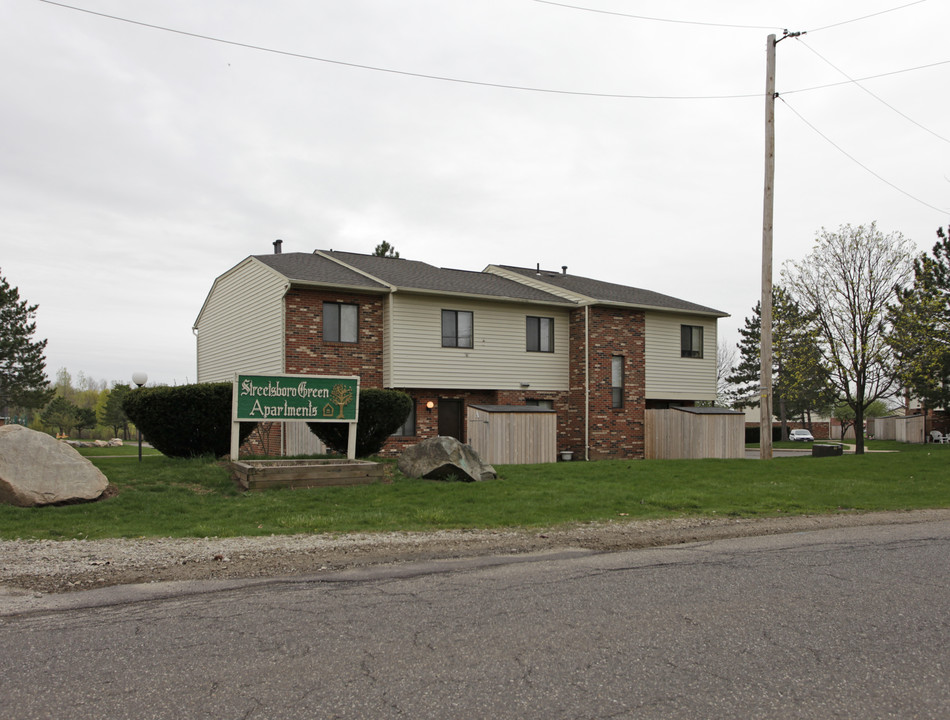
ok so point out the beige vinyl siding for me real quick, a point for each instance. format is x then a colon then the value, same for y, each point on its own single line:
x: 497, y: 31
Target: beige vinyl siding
x: 498, y: 360
x: 669, y: 376
x: 240, y: 327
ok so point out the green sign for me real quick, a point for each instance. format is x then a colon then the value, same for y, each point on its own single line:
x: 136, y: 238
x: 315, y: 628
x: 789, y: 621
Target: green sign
x: 287, y: 398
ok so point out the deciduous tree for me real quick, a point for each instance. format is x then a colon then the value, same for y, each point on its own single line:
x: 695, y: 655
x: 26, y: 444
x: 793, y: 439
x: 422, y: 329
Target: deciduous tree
x: 845, y: 286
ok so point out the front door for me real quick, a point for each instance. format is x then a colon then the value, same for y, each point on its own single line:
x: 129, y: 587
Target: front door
x: 450, y: 418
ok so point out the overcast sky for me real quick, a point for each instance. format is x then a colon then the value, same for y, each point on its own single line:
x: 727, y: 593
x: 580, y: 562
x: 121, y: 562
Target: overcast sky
x: 138, y: 164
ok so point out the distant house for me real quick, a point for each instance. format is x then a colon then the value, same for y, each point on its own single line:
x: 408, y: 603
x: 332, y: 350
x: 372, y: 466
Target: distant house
x: 598, y: 353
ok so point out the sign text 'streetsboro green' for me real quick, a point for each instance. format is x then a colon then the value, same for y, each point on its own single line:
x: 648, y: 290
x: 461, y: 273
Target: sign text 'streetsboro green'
x: 296, y: 397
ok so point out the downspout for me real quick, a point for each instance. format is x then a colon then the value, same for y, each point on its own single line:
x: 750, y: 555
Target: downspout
x: 388, y: 342
x: 283, y: 350
x: 587, y: 382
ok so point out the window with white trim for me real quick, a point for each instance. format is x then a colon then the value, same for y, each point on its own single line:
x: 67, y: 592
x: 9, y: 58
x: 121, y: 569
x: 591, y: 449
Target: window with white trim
x: 540, y: 334
x: 457, y: 328
x: 691, y: 341
x: 616, y: 381
x: 340, y: 322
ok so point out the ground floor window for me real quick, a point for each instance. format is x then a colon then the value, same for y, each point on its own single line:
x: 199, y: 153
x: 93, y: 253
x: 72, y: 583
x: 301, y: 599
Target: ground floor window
x: 549, y: 404
x: 408, y: 428
x: 616, y: 381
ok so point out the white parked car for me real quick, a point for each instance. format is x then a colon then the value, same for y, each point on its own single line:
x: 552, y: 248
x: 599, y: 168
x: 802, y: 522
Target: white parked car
x: 801, y: 435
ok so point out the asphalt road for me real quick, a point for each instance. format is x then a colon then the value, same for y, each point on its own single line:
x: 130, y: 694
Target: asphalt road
x: 850, y: 622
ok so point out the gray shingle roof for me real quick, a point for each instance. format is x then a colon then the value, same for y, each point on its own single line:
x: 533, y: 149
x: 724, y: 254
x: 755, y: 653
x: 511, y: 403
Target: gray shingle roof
x: 379, y: 273
x: 415, y: 275
x: 399, y: 273
x: 310, y: 268
x: 611, y: 292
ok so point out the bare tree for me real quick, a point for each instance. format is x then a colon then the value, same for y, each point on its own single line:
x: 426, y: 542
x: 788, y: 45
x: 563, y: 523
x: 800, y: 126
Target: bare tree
x: 725, y: 362
x: 845, y: 285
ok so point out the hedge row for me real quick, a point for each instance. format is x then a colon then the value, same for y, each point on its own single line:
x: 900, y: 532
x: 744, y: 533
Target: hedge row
x: 185, y: 420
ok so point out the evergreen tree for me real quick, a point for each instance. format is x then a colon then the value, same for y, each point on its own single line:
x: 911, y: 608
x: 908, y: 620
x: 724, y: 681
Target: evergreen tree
x: 384, y: 249
x: 113, y: 414
x: 85, y: 418
x: 920, y: 327
x: 23, y: 381
x: 60, y: 414
x: 800, y: 382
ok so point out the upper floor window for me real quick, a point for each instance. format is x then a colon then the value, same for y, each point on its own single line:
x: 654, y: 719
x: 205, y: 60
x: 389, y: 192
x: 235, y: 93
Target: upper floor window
x: 340, y: 322
x: 457, y: 328
x: 616, y: 381
x: 691, y: 341
x: 540, y: 334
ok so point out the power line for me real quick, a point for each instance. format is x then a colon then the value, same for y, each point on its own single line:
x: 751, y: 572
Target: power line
x: 858, y: 162
x: 865, y: 17
x: 876, y: 97
x: 657, y: 19
x: 720, y: 25
x: 862, y: 79
x: 443, y: 78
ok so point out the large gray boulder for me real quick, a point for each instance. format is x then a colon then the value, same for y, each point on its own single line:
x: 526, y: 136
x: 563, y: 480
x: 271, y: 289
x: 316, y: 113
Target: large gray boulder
x: 36, y: 469
x: 444, y: 458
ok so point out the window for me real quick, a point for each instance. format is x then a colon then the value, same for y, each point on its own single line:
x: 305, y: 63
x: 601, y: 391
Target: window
x: 691, y: 341
x: 616, y: 381
x: 457, y: 328
x: 408, y: 428
x: 549, y: 404
x: 339, y: 322
x: 540, y: 334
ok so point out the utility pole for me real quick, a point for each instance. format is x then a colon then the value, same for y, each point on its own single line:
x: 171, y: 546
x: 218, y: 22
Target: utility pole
x: 765, y: 351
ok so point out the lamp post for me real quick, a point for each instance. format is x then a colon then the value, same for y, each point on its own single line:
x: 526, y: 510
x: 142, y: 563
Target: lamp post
x: 139, y: 378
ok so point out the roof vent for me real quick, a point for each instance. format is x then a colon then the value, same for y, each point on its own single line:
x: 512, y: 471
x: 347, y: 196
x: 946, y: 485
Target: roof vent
x: 277, y: 244
x: 539, y: 269
x: 563, y: 269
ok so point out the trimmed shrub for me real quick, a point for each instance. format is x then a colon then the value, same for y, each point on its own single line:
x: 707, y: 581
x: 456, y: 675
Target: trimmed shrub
x: 381, y: 413
x: 185, y: 420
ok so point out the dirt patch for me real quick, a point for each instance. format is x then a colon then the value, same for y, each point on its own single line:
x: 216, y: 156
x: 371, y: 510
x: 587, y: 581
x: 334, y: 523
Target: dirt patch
x: 50, y: 566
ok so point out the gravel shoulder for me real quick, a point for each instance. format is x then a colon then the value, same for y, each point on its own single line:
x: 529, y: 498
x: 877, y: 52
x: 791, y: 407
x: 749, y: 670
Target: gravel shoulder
x: 51, y: 566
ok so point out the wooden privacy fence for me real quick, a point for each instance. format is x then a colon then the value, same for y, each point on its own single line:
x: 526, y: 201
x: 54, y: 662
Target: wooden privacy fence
x: 903, y: 428
x: 883, y: 428
x: 910, y: 430
x: 513, y: 434
x: 693, y: 433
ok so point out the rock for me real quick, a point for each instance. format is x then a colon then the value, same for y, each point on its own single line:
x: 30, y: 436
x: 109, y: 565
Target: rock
x: 442, y: 458
x: 36, y: 469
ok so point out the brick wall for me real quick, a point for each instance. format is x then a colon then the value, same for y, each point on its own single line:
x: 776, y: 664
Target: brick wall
x: 614, y: 432
x: 427, y: 421
x: 306, y: 351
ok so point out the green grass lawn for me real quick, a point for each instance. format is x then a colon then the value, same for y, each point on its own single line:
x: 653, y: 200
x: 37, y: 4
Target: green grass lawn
x: 194, y: 498
x: 125, y: 450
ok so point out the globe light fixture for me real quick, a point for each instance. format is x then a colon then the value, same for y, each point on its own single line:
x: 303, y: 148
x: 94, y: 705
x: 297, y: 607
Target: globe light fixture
x: 139, y: 378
